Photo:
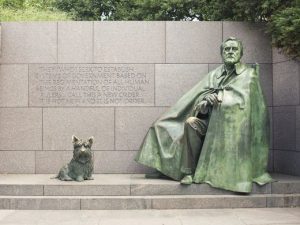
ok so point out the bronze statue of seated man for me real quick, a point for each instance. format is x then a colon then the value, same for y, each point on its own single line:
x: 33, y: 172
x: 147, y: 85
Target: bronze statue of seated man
x: 217, y: 133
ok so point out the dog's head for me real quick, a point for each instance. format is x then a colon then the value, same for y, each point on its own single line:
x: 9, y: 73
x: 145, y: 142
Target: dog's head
x: 82, y: 149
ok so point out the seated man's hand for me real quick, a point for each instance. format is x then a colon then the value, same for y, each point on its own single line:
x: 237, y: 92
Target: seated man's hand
x: 212, y: 99
x: 208, y: 101
x: 202, y: 107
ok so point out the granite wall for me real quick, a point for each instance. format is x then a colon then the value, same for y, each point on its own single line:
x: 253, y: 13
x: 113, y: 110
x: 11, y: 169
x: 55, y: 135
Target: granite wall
x: 286, y: 114
x: 113, y: 79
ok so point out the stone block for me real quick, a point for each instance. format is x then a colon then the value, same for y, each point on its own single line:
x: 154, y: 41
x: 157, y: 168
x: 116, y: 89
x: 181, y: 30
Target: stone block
x: 91, y: 85
x: 50, y: 162
x: 59, y: 124
x: 278, y: 56
x: 4, y: 203
x: 256, y: 43
x: 283, y: 201
x: 116, y: 203
x: 21, y: 129
x: 84, y: 189
x: 42, y: 203
x: 173, y: 80
x: 298, y: 139
x: 13, y: 85
x: 132, y: 124
x: 286, y: 187
x: 129, y: 42
x: 270, y: 114
x: 287, y: 162
x: 284, y: 128
x: 253, y: 201
x: 17, y: 162
x: 19, y: 190
x: 266, y: 82
x: 285, y: 178
x: 193, y: 42
x: 286, y: 83
x: 257, y: 189
x: 298, y: 117
x: 75, y: 42
x: 298, y: 128
x: 29, y: 42
x: 117, y: 162
x: 270, y: 167
x: 206, y: 201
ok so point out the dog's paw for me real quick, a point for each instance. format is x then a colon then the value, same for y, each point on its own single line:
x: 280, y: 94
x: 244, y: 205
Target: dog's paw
x: 64, y: 178
x: 79, y: 179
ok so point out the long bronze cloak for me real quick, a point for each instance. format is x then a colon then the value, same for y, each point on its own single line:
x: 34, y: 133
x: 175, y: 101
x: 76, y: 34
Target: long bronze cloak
x: 235, y: 149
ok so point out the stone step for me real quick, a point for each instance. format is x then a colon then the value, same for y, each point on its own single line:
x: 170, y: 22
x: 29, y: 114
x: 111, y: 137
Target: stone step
x: 148, y: 202
x: 126, y: 185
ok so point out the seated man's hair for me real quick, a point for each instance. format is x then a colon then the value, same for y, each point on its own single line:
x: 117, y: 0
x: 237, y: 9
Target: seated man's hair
x: 232, y: 39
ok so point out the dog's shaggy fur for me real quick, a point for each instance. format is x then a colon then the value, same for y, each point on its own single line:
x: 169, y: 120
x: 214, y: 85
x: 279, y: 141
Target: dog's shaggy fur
x: 81, y: 166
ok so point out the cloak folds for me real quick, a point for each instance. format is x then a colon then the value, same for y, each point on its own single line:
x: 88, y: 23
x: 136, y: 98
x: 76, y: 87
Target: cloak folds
x: 235, y: 149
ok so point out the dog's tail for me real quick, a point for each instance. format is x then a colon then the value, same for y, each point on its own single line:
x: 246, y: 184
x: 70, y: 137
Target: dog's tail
x: 55, y: 177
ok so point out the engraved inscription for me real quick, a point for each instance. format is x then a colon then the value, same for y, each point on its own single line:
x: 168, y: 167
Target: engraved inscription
x: 91, y: 84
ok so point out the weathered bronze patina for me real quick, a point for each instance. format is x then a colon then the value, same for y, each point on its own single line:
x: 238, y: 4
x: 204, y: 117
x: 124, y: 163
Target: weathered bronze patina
x: 217, y: 133
x: 81, y: 166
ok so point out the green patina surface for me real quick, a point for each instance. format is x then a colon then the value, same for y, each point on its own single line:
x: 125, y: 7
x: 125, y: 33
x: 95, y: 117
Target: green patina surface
x: 235, y: 149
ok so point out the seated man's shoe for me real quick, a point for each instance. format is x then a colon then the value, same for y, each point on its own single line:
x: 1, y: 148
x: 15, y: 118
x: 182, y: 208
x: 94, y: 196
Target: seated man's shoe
x: 188, y: 179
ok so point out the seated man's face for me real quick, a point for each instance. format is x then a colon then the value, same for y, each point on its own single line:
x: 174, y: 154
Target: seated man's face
x: 231, y: 53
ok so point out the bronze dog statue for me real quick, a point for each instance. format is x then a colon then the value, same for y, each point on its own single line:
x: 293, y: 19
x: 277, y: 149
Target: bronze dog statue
x: 81, y: 166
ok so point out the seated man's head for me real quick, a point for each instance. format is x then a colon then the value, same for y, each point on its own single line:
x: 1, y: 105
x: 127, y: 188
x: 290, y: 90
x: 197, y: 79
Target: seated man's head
x: 231, y: 51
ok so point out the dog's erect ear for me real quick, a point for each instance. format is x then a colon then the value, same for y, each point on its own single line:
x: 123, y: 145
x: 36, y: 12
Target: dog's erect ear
x: 75, y: 139
x: 91, y: 140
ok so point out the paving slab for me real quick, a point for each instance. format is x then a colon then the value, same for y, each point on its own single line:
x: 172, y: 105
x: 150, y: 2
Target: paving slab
x: 154, y: 217
x: 267, y: 216
x: 149, y: 221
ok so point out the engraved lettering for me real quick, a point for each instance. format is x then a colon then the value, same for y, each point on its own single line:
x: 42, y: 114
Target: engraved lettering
x: 91, y: 85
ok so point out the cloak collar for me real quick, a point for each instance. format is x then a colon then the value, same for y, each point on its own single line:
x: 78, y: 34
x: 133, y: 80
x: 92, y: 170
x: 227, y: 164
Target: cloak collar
x: 238, y: 67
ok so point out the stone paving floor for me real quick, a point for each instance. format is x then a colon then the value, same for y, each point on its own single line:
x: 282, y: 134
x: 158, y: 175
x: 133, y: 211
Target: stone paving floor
x: 256, y: 216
